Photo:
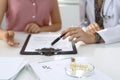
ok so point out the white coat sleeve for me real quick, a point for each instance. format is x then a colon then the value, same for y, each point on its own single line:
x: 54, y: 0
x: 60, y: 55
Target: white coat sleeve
x: 110, y: 35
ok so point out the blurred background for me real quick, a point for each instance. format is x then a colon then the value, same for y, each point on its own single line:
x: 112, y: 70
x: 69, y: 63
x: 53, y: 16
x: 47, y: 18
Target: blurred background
x: 69, y: 10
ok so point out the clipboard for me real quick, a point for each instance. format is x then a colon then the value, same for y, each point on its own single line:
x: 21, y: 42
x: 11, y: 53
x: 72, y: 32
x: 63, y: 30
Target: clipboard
x: 38, y: 50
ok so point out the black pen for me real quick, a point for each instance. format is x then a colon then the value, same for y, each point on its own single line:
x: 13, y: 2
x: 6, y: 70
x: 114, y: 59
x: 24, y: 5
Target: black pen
x: 57, y: 39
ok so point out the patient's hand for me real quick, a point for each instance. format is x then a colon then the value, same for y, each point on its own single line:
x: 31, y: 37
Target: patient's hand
x: 8, y: 37
x: 92, y: 28
x: 32, y: 28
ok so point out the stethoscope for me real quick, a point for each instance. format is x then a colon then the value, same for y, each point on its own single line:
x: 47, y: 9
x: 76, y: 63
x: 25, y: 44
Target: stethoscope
x: 103, y: 14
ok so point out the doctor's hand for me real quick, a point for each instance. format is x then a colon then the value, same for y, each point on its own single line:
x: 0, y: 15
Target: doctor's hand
x: 92, y: 28
x: 77, y: 34
x: 32, y: 28
x: 8, y: 37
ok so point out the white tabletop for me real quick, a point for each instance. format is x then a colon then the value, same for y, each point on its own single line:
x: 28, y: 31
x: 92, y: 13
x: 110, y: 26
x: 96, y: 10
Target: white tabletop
x: 105, y: 57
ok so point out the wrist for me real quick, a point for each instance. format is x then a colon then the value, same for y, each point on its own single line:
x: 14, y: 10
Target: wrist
x: 98, y: 38
x: 91, y: 38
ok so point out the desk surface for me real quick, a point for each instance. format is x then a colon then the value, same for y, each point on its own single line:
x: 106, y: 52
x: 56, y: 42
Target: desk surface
x: 105, y: 57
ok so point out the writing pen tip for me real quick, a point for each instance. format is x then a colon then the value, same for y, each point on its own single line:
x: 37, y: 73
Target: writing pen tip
x: 57, y: 39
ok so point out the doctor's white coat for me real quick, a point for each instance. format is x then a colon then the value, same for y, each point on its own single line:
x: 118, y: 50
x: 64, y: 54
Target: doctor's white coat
x: 111, y: 18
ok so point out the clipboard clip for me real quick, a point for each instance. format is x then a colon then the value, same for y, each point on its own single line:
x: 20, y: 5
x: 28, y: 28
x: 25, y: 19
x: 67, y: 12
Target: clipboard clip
x: 48, y: 51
